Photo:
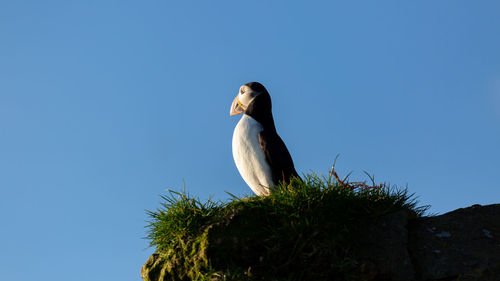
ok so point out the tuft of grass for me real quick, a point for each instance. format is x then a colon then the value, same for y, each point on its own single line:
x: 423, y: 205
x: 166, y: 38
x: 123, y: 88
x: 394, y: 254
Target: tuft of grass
x: 304, y: 221
x: 181, y: 216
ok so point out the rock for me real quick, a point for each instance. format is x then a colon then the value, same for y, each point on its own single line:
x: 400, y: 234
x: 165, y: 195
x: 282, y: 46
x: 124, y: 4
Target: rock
x: 460, y: 245
x: 383, y: 242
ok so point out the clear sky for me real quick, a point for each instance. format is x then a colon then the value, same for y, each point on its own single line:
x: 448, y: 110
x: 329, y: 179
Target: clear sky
x: 104, y: 105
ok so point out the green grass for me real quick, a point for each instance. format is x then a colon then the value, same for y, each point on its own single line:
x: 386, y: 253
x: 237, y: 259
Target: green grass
x: 304, y: 222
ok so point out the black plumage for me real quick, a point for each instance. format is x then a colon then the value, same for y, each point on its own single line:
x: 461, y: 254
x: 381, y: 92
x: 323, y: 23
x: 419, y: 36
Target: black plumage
x: 277, y: 155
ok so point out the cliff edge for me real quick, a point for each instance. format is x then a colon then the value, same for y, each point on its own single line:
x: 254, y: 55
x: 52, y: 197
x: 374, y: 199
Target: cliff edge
x: 344, y: 235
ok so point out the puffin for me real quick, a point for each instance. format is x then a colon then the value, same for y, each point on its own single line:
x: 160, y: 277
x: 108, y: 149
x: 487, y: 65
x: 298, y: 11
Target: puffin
x: 259, y: 152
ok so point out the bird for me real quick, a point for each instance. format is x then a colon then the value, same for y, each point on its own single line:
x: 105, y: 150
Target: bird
x: 259, y: 153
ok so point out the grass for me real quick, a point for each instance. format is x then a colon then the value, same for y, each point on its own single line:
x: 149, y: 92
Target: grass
x: 305, y: 222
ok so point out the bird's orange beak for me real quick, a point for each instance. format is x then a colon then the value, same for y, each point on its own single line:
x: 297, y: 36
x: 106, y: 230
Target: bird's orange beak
x: 236, y: 107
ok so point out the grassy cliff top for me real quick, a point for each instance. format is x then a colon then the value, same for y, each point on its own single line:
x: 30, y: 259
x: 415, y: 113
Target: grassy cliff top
x: 250, y: 238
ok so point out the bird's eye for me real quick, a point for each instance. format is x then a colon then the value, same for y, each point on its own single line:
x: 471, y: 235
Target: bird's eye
x: 242, y: 92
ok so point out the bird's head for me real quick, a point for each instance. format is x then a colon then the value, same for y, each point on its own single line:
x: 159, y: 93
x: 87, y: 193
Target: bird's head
x: 245, y: 96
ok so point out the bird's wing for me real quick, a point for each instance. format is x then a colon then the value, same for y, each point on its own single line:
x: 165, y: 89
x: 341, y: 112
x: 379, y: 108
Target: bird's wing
x: 277, y: 156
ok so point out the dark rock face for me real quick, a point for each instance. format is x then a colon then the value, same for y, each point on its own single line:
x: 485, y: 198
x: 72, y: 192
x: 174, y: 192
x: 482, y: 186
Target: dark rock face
x: 383, y: 246
x: 462, y: 245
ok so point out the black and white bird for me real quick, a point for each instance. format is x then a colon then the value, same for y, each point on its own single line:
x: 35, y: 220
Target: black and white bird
x: 260, y: 154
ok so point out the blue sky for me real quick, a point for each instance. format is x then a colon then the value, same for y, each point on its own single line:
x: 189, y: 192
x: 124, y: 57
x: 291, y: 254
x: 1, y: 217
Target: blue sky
x: 104, y: 105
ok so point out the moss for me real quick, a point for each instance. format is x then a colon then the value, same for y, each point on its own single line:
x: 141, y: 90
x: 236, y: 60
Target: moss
x: 184, y: 262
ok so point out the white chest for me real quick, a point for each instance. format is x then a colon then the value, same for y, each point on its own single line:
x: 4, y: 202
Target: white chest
x: 249, y: 157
